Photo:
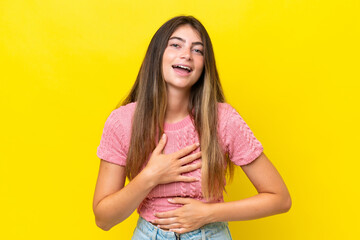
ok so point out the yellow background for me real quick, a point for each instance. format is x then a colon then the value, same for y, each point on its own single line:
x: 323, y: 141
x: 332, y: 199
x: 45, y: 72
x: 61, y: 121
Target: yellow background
x: 289, y: 67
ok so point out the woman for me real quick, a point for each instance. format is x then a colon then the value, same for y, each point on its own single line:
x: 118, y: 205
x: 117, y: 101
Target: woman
x: 175, y: 108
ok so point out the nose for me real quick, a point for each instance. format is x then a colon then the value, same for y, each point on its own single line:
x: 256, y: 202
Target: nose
x: 186, y: 53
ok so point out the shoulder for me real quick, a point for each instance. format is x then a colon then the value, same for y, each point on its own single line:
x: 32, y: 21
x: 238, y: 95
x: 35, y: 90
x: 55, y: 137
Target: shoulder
x: 121, y: 117
x: 223, y: 106
x: 229, y: 120
x: 123, y: 113
x: 116, y: 135
x: 225, y: 110
x: 125, y: 110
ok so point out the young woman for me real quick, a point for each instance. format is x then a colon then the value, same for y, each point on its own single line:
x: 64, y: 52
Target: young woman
x: 174, y: 137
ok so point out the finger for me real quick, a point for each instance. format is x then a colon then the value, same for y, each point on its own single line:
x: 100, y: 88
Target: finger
x: 190, y: 167
x: 182, y: 178
x: 190, y: 158
x: 170, y: 226
x: 178, y: 230
x: 164, y: 221
x: 160, y: 147
x: 168, y: 214
x: 186, y: 150
x: 179, y: 200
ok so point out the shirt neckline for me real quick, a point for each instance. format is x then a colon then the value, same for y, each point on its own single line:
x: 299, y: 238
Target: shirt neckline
x: 177, y: 125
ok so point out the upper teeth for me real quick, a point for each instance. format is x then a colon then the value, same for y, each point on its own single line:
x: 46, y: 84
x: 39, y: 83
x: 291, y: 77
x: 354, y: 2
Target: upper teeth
x: 183, y: 67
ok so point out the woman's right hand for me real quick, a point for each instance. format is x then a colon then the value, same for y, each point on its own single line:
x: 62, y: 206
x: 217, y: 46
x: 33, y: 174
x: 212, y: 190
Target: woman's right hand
x: 167, y: 168
x: 114, y: 202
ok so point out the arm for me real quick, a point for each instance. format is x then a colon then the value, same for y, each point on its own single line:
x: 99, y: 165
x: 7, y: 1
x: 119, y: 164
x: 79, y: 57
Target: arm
x: 272, y: 198
x: 113, y: 202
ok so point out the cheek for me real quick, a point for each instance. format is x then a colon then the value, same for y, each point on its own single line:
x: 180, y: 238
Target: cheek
x: 166, y: 66
x: 200, y: 66
x: 168, y: 54
x: 200, y: 62
x: 165, y: 60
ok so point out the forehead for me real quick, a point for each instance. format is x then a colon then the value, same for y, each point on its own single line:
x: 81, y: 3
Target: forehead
x: 187, y: 32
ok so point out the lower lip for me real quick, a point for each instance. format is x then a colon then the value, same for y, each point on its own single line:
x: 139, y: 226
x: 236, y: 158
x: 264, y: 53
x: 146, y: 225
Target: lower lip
x: 181, y: 72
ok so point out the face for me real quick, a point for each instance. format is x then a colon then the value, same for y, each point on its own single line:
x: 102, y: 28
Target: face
x: 183, y: 59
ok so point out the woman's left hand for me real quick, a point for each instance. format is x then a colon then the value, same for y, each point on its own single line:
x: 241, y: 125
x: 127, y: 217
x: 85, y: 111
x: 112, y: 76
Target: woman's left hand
x: 192, y: 215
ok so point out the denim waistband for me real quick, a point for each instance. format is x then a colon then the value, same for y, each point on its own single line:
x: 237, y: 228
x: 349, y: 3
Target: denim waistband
x: 157, y: 233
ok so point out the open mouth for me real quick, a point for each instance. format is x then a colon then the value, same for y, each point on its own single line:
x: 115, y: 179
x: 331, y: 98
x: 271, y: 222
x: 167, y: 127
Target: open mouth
x: 182, y: 68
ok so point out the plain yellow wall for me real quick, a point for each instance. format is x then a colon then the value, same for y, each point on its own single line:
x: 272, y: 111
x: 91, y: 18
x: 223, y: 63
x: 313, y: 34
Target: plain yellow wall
x: 289, y: 67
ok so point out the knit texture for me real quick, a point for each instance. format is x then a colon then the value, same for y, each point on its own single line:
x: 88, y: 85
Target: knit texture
x: 235, y: 137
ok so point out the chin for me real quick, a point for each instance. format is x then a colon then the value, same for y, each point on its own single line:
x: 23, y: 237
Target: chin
x: 179, y: 86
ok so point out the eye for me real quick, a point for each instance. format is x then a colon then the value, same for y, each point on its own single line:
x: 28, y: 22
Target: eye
x: 174, y: 45
x: 198, y: 51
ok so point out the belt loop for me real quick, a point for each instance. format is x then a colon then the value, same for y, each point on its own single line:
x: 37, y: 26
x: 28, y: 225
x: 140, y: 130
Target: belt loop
x: 155, y: 233
x: 177, y: 236
x: 203, y: 237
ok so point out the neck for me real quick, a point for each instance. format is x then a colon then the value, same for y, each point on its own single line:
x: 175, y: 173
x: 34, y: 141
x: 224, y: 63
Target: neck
x: 177, y: 105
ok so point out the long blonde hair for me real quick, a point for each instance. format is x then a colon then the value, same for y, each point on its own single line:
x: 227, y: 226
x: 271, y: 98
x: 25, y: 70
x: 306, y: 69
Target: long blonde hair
x: 149, y: 91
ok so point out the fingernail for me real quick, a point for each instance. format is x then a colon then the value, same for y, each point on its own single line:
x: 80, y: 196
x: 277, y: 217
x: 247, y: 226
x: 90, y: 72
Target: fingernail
x: 170, y: 200
x: 197, y: 144
x: 163, y: 136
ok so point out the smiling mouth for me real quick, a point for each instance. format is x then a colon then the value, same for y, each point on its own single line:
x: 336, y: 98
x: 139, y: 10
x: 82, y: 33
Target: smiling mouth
x: 185, y: 68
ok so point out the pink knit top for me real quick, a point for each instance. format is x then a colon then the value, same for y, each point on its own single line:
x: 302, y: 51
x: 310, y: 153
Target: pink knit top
x: 235, y: 137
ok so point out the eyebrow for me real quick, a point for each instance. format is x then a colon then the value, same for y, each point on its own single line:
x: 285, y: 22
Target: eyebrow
x: 183, y: 40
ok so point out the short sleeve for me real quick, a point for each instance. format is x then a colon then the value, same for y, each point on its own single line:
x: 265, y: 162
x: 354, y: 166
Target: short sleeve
x: 241, y: 144
x: 111, y: 148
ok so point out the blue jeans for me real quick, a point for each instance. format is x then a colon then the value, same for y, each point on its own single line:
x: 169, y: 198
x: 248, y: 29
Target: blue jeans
x: 212, y: 231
